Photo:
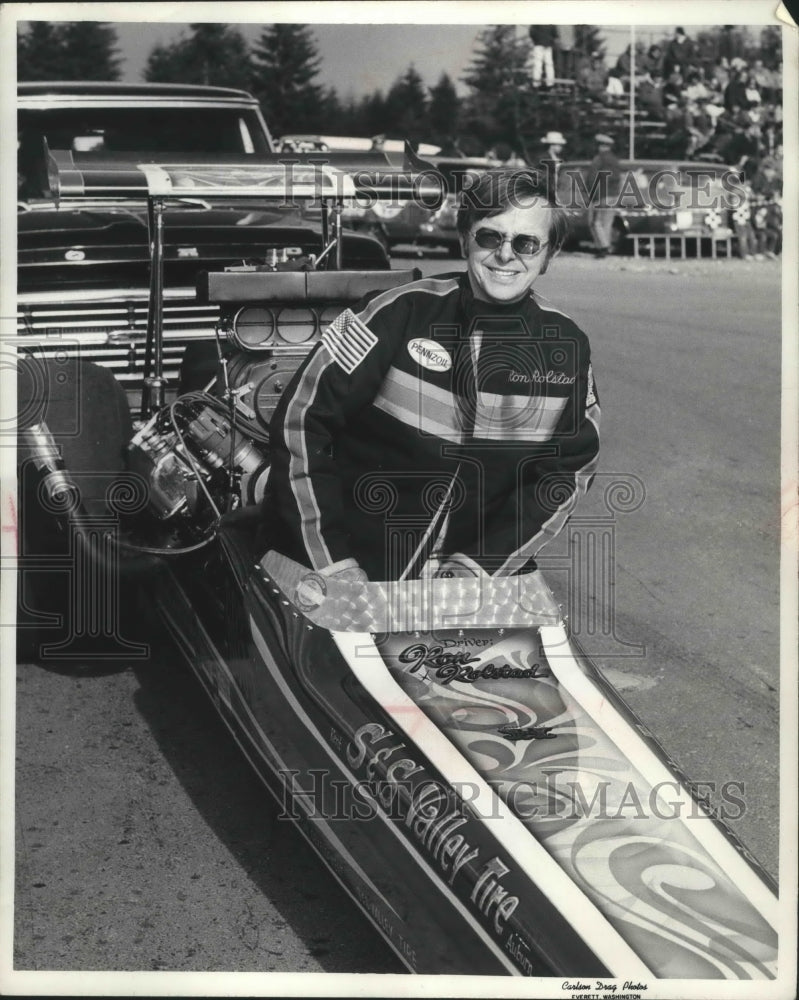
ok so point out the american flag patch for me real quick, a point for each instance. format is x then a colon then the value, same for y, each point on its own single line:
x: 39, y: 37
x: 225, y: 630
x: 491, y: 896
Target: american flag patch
x: 348, y: 340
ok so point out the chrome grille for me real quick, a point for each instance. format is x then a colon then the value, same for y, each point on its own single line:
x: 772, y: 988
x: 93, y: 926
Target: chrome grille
x: 111, y: 329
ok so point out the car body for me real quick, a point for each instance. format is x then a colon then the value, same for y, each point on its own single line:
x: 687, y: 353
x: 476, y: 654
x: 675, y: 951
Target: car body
x: 408, y: 726
x: 83, y: 268
x: 312, y: 142
x: 691, y: 198
x: 658, y: 197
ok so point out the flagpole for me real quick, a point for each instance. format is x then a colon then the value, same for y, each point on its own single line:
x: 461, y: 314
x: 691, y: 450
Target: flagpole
x: 632, y: 91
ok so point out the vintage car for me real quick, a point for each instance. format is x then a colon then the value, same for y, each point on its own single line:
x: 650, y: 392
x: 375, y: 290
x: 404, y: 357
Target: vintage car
x: 413, y: 724
x: 419, y: 225
x: 84, y: 269
x: 656, y: 197
x: 662, y: 197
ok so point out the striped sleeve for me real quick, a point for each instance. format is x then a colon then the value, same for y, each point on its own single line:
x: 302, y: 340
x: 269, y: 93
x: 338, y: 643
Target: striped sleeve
x: 343, y: 374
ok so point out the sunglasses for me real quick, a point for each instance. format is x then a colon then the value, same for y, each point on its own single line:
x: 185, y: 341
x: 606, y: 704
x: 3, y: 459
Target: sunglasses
x: 523, y: 245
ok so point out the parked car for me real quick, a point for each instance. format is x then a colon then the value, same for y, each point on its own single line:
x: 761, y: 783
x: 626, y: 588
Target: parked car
x: 656, y: 196
x: 83, y: 269
x: 439, y: 229
x: 304, y: 142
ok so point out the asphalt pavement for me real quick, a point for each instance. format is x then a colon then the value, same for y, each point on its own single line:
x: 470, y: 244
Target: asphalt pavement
x: 143, y: 841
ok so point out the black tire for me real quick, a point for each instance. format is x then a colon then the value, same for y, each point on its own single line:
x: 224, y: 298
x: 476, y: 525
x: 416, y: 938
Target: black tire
x: 72, y: 606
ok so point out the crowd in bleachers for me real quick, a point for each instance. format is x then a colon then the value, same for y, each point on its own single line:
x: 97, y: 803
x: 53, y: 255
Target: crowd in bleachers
x: 715, y: 97
x: 713, y: 103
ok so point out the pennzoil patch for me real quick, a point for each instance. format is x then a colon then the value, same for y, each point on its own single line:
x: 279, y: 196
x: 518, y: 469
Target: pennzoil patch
x: 590, y: 396
x: 348, y: 340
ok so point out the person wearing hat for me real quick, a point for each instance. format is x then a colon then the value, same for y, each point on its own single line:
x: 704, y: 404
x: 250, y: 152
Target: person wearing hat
x: 603, y: 182
x: 550, y: 162
x: 679, y: 53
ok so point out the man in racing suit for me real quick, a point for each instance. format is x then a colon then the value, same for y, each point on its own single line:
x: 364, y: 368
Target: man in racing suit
x: 455, y: 416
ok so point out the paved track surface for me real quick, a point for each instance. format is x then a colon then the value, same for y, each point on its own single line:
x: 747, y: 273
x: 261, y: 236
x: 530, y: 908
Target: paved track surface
x: 143, y: 840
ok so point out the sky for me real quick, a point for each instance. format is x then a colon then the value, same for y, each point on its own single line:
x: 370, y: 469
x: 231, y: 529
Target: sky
x: 357, y: 58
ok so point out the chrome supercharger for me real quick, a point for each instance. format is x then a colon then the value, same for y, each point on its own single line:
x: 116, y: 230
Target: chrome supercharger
x: 192, y: 449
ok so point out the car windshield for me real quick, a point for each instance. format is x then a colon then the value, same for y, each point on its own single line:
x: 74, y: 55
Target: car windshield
x: 119, y: 130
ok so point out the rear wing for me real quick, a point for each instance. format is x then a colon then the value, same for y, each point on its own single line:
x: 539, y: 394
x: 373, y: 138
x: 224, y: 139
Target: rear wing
x: 276, y: 177
x: 285, y: 179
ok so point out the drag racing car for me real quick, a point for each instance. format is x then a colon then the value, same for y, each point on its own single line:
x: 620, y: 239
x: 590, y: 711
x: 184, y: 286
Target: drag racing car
x: 464, y: 770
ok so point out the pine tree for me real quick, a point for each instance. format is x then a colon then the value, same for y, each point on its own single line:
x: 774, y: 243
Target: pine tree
x: 285, y: 63
x: 39, y: 52
x: 372, y: 114
x: 90, y: 51
x: 588, y: 39
x: 72, y: 50
x: 214, y: 54
x: 497, y: 74
x: 444, y: 110
x: 406, y: 107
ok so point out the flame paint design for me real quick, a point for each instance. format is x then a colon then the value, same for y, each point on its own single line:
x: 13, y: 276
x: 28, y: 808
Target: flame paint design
x: 586, y: 803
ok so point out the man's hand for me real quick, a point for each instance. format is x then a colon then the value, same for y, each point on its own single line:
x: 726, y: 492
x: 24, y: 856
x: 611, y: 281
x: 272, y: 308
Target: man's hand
x: 347, y: 570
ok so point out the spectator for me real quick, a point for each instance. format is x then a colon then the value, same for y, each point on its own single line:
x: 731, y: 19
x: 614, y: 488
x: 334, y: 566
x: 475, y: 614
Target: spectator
x: 767, y: 209
x: 763, y: 79
x: 653, y: 61
x: 742, y: 226
x: 649, y: 94
x: 703, y: 123
x: 550, y: 162
x: 605, y: 173
x: 623, y: 64
x: 743, y: 151
x: 721, y: 75
x: 679, y: 53
x: 543, y: 37
x: 751, y: 93
x: 730, y: 45
x: 593, y: 77
x: 614, y: 87
x: 672, y: 96
x: 695, y: 89
x: 735, y: 93
x: 565, y: 62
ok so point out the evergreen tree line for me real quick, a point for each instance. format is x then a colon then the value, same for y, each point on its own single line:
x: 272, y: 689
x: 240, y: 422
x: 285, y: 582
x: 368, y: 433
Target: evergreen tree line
x: 282, y: 68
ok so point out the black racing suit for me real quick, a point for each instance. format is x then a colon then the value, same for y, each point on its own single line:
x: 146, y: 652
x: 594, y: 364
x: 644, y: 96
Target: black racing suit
x: 432, y: 384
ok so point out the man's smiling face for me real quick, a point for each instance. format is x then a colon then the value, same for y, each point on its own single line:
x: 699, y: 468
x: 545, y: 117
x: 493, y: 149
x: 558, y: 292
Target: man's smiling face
x: 502, y: 275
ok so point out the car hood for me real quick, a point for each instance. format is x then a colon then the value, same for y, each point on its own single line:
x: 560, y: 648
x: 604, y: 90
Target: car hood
x: 108, y: 245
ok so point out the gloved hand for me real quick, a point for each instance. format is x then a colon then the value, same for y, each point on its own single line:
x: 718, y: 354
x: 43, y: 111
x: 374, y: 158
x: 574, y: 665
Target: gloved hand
x: 453, y: 566
x: 347, y: 570
x: 312, y: 588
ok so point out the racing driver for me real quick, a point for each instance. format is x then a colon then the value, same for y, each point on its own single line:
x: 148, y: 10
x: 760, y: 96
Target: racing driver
x: 447, y: 426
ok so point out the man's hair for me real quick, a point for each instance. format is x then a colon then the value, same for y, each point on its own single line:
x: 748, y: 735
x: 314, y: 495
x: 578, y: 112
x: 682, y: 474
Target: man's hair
x: 498, y: 190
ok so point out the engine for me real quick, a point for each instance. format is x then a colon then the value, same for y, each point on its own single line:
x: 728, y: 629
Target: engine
x: 200, y: 459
